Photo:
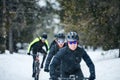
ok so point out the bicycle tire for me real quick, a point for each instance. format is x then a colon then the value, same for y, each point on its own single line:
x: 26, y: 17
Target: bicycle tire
x: 37, y: 69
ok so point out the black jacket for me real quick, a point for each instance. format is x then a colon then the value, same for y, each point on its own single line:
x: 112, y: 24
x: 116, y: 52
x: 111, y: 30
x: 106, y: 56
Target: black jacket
x: 53, y: 43
x: 53, y: 50
x: 37, y: 47
x: 70, y: 61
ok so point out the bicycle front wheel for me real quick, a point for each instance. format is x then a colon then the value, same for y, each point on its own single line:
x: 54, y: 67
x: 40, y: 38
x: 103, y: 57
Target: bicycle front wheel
x: 37, y: 70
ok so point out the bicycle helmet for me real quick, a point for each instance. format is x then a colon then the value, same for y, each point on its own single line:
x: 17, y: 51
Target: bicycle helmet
x: 60, y: 36
x: 44, y: 35
x: 72, y: 36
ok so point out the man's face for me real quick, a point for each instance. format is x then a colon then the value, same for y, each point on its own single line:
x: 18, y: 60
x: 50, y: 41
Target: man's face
x: 60, y: 42
x: 72, y: 45
x: 43, y: 40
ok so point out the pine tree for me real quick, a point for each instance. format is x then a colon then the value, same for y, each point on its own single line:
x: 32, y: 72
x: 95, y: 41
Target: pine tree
x: 96, y: 21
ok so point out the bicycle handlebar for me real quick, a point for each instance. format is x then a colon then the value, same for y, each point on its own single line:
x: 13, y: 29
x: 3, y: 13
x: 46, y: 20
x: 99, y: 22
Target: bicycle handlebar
x: 85, y: 78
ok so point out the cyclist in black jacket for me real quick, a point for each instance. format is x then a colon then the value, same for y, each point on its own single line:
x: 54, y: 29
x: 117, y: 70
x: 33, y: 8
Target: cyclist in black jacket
x: 70, y: 57
x: 53, y: 50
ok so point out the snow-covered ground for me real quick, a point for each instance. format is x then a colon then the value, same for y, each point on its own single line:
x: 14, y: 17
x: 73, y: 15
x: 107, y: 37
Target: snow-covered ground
x: 19, y: 66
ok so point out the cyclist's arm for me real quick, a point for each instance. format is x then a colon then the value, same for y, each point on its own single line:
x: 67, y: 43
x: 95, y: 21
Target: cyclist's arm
x: 45, y: 51
x: 89, y: 62
x: 56, y: 61
x: 46, y: 45
x: 50, y: 55
x: 31, y: 44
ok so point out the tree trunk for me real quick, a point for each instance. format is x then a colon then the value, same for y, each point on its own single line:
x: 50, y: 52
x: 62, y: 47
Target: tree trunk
x: 119, y: 50
x: 10, y: 40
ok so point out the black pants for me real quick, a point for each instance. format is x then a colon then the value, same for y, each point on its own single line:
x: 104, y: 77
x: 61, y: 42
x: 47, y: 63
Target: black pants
x: 33, y: 65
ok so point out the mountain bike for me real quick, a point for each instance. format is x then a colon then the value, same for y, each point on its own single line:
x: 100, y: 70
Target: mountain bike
x: 36, y: 68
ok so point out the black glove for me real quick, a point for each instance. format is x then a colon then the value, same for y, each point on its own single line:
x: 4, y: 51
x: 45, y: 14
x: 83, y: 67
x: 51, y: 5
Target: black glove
x: 41, y: 66
x: 92, y: 77
x: 28, y: 53
x: 46, y: 69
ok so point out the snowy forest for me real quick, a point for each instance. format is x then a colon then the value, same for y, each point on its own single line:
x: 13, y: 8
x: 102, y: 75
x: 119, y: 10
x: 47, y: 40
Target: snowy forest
x: 96, y: 21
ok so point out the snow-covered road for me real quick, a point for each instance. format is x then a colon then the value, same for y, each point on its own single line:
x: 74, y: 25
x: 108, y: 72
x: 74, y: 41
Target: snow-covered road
x: 19, y: 67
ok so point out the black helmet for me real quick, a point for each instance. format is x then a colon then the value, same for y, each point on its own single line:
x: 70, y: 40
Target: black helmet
x: 44, y: 35
x: 60, y: 36
x: 72, y: 36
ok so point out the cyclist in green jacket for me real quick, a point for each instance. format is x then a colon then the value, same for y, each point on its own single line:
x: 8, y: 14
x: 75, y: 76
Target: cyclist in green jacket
x: 37, y: 46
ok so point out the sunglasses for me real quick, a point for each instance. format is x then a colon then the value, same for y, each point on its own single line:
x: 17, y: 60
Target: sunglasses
x: 60, y: 41
x: 72, y: 42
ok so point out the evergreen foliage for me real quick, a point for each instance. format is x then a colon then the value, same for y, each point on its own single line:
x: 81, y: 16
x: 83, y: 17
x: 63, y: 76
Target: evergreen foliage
x: 96, y: 21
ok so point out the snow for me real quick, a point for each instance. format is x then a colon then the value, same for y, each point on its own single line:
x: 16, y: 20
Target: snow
x: 42, y: 3
x: 18, y: 66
